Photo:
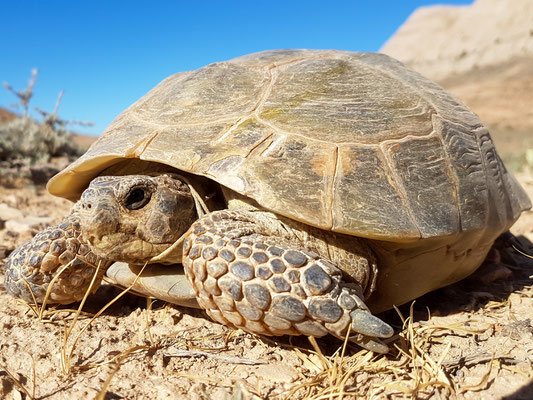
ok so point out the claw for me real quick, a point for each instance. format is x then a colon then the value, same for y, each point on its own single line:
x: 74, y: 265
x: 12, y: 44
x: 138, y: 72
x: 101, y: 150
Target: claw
x: 367, y: 324
x: 375, y: 345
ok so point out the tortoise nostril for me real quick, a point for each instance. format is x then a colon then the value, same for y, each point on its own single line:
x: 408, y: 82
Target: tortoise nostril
x: 86, y: 205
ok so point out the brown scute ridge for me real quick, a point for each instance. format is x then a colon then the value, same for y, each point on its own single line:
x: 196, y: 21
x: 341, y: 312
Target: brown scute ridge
x: 464, y: 154
x: 506, y: 206
x: 419, y: 164
x: 305, y: 102
x: 271, y: 73
x: 207, y: 95
x: 334, y: 55
x: 457, y: 126
x: 397, y: 183
x: 365, y: 192
x: 305, y: 194
x: 454, y: 180
x: 491, y: 163
x: 185, y: 123
x: 277, y: 58
x: 331, y: 191
x: 138, y: 149
x: 259, y: 146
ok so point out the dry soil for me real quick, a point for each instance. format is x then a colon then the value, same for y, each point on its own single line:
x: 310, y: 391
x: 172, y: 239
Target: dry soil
x: 471, y: 340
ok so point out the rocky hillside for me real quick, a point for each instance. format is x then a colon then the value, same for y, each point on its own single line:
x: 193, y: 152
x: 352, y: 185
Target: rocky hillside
x: 482, y: 53
x: 440, y: 41
x: 6, y: 116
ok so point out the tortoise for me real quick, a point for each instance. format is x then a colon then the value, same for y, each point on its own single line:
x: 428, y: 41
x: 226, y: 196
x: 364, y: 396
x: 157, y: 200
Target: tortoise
x: 284, y: 192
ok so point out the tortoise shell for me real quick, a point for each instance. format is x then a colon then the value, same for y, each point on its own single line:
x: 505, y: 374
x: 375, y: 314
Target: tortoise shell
x: 350, y: 142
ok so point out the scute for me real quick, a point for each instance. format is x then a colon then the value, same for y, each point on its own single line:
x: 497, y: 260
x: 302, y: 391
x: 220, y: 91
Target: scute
x: 352, y: 142
x: 351, y: 101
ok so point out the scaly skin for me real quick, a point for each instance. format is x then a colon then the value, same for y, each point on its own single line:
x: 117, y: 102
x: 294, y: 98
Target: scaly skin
x: 248, y: 269
x: 32, y: 267
x: 262, y: 284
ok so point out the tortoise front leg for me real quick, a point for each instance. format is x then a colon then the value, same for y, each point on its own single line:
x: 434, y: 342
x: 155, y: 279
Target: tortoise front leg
x: 247, y: 279
x: 58, y: 255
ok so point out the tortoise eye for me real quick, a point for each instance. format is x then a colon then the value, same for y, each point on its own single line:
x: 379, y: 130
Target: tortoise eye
x: 137, y: 199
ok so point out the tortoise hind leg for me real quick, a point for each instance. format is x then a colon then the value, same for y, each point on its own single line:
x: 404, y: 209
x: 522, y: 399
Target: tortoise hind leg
x: 247, y: 279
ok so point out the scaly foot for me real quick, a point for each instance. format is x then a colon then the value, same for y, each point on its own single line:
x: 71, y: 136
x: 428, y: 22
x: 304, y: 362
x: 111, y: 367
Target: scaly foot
x: 274, y: 289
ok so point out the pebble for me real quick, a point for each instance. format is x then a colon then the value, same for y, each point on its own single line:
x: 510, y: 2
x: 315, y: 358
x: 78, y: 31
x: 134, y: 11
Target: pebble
x: 4, y: 252
x: 8, y: 213
x: 26, y: 224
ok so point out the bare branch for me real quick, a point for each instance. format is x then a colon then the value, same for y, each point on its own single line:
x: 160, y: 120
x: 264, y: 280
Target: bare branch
x: 58, y: 101
x: 26, y: 95
x: 54, y: 121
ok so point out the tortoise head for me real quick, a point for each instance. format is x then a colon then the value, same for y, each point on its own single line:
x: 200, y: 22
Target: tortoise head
x: 133, y: 218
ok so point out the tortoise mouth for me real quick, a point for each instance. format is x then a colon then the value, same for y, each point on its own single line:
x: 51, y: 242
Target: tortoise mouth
x: 119, y: 246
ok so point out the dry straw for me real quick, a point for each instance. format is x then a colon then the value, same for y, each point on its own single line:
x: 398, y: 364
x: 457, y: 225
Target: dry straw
x: 410, y: 370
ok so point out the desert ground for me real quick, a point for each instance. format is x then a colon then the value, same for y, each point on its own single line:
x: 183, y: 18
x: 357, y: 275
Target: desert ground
x: 467, y: 341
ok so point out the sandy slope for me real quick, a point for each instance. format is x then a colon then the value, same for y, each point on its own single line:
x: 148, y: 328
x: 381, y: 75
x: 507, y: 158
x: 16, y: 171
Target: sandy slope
x: 439, y: 41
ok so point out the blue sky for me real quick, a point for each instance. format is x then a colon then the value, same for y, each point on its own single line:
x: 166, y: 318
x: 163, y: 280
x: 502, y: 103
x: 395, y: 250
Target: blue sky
x: 107, y: 54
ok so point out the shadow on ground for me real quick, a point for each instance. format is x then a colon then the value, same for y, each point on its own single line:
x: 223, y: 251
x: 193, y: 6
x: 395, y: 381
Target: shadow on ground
x: 524, y: 393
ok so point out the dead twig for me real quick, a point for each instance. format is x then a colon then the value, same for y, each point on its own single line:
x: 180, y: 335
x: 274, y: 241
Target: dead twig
x: 52, y: 120
x: 477, y: 359
x: 17, y: 382
x: 26, y: 95
x: 232, y: 360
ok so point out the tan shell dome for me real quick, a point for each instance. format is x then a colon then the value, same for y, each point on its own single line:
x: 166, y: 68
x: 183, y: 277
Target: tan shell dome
x: 351, y: 142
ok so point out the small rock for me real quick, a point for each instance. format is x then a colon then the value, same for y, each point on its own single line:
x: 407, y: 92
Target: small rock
x: 11, y: 200
x: 4, y: 252
x: 26, y: 224
x: 278, y: 372
x: 8, y: 213
x: 518, y: 329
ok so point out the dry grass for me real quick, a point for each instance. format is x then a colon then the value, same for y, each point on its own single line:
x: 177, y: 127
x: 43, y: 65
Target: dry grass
x: 407, y: 371
x: 410, y: 370
x: 67, y: 349
x: 19, y: 384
